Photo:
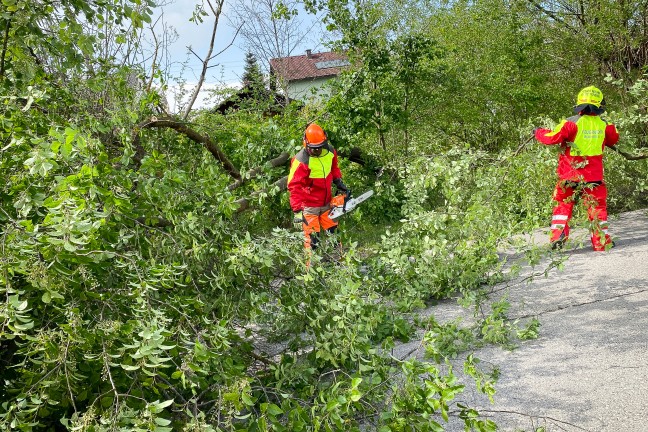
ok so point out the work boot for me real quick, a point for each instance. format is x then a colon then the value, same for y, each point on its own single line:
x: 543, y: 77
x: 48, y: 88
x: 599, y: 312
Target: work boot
x: 609, y: 245
x: 602, y: 246
x: 558, y: 244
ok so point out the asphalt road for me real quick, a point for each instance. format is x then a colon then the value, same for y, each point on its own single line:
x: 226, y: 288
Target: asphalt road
x: 588, y: 369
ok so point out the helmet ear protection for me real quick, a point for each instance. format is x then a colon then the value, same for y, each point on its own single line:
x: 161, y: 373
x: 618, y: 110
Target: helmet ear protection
x: 317, y: 130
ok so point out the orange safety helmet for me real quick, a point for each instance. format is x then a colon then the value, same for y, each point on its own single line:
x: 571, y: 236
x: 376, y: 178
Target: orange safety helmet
x: 314, y: 136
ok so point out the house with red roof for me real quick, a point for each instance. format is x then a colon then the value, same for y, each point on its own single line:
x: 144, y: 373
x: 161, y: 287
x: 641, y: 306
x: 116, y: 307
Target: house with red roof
x: 302, y: 77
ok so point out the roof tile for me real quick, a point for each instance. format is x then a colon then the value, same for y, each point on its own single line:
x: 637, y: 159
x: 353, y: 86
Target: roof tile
x: 304, y: 67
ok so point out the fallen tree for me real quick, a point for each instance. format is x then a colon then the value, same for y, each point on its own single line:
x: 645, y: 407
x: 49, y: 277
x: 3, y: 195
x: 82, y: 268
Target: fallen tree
x: 354, y: 155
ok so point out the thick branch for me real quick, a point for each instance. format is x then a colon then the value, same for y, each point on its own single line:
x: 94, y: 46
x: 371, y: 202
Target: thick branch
x: 4, y: 47
x: 210, y: 145
x: 628, y: 155
x: 253, y: 173
x: 355, y: 155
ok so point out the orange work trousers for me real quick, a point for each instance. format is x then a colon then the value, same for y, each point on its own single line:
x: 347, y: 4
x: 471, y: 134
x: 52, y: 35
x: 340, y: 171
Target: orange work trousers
x: 317, y: 220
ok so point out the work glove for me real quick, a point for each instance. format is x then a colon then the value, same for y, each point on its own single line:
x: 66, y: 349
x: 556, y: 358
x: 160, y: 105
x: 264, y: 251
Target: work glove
x: 298, y: 219
x: 339, y: 184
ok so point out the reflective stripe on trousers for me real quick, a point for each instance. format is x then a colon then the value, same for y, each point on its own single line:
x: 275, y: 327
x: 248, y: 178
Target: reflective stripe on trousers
x: 594, y: 198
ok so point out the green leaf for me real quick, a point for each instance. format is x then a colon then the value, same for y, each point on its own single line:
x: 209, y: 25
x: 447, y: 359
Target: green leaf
x: 355, y: 395
x: 45, y: 167
x: 165, y: 403
x: 231, y: 397
x: 247, y: 400
x: 129, y: 367
x: 274, y: 409
x: 162, y: 421
x: 26, y: 326
x: 55, y: 295
x: 332, y: 404
x: 66, y: 149
x: 30, y: 101
x: 157, y: 407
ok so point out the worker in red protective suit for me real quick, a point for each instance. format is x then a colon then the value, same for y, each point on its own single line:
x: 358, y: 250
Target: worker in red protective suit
x: 580, y: 167
x: 312, y: 172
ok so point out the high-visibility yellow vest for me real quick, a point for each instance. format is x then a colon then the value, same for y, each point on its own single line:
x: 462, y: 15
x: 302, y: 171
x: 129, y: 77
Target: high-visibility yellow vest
x: 320, y: 166
x: 590, y: 136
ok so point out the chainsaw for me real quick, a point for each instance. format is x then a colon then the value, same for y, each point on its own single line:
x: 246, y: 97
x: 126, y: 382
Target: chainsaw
x: 343, y: 204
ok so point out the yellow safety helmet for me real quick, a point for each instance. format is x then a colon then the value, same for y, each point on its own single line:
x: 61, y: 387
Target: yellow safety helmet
x: 592, y: 97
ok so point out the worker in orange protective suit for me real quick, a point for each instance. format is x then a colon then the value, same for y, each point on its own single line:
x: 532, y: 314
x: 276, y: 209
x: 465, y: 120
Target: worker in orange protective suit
x: 582, y: 138
x: 312, y: 172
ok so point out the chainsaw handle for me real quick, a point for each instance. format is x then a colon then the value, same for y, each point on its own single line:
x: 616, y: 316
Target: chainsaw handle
x: 347, y: 197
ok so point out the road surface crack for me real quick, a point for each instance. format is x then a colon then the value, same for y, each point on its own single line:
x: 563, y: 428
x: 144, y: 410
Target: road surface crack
x: 559, y: 308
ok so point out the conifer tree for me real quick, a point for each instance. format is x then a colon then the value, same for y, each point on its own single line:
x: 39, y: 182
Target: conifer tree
x: 252, y: 75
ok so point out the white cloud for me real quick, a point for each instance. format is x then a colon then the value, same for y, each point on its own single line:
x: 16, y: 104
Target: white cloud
x: 178, y: 96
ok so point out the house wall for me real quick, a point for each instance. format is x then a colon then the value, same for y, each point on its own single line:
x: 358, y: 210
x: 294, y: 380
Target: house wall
x: 309, y: 90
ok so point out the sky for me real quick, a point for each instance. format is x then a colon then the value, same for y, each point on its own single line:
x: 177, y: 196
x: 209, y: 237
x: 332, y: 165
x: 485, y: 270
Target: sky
x: 230, y: 63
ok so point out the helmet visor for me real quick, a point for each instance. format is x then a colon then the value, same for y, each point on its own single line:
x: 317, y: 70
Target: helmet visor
x: 315, y: 146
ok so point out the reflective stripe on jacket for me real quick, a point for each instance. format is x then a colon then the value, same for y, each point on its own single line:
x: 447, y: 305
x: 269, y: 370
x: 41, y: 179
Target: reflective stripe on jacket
x: 310, y: 178
x: 582, y: 138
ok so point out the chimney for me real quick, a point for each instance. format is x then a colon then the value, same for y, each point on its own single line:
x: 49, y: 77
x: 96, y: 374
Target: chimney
x: 309, y: 54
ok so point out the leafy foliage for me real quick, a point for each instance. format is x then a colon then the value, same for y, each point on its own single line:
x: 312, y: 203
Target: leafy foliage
x: 137, y: 295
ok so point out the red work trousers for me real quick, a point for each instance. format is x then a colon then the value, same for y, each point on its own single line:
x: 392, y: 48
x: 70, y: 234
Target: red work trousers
x: 594, y: 197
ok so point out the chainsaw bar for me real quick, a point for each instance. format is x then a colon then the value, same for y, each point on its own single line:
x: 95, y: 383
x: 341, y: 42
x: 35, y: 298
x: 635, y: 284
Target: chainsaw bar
x: 338, y: 211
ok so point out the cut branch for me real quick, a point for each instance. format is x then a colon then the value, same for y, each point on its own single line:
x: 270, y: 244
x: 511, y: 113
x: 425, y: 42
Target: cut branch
x: 181, y: 127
